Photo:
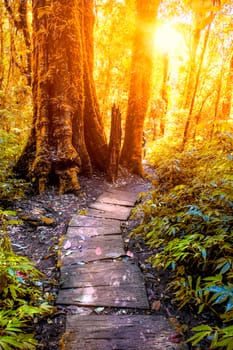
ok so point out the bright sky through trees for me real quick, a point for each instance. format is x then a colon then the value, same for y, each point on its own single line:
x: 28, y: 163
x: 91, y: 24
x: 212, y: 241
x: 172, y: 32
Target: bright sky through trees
x: 168, y: 40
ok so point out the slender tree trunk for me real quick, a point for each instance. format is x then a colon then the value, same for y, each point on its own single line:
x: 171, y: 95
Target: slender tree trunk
x: 26, y: 34
x: 192, y: 71
x: 227, y: 101
x: 188, y: 124
x: 140, y: 85
x: 21, y: 24
x: 114, y: 144
x: 164, y: 95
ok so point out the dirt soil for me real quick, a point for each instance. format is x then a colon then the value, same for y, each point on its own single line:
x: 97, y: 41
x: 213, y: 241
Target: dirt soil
x: 45, y: 219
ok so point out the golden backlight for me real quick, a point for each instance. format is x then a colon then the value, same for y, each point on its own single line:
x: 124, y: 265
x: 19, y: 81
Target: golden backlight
x: 167, y: 39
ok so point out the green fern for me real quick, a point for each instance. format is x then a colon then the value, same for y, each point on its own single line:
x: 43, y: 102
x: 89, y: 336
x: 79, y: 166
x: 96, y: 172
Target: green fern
x: 20, y: 297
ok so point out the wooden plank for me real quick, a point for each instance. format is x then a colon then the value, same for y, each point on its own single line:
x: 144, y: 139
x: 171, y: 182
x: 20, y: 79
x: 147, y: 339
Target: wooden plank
x: 85, y: 232
x: 108, y: 273
x: 90, y: 221
x: 121, y: 195
x: 109, y: 211
x: 91, y: 249
x: 111, y: 198
x: 132, y: 332
x: 127, y: 295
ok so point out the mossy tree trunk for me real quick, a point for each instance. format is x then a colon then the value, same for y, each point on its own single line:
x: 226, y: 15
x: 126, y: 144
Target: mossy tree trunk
x: 62, y: 87
x: 140, y: 85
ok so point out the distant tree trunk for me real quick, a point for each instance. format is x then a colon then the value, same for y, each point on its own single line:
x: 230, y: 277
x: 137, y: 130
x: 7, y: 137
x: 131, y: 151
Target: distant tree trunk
x: 217, y: 115
x: 114, y: 144
x: 189, y: 121
x: 227, y: 101
x: 164, y: 95
x: 140, y: 85
x: 192, y: 68
x: 56, y: 148
x: 21, y: 24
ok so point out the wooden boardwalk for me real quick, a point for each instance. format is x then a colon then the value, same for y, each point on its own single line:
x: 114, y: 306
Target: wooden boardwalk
x: 94, y: 273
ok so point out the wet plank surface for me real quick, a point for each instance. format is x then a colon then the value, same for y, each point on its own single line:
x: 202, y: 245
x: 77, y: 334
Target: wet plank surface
x: 139, y: 332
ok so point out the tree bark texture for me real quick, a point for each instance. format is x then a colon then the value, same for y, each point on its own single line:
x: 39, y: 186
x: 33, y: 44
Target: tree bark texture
x: 140, y: 85
x: 58, y: 149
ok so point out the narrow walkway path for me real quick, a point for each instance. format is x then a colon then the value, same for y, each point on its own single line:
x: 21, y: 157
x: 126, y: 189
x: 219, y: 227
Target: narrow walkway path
x: 95, y: 273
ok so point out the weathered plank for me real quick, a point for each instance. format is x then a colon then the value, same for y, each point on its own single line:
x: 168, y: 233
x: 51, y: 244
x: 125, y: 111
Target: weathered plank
x: 90, y: 221
x: 110, y: 211
x: 111, y: 296
x: 108, y: 273
x: 118, y: 197
x: 85, y: 232
x: 121, y: 195
x: 91, y: 249
x: 106, y: 332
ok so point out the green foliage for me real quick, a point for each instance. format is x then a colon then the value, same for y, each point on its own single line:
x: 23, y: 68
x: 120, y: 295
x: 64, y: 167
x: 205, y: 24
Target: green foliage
x: 221, y: 337
x: 188, y: 221
x: 12, y: 189
x: 10, y: 147
x: 21, y: 296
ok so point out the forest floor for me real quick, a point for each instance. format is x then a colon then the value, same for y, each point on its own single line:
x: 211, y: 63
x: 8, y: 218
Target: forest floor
x: 45, y: 219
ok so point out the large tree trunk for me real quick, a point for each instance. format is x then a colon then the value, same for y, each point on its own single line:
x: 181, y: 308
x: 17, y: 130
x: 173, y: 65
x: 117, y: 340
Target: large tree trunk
x: 140, y: 85
x: 56, y: 149
x: 94, y: 132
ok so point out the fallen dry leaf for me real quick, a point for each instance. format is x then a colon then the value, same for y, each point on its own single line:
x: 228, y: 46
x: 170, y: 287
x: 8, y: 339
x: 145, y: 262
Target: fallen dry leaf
x: 130, y: 254
x: 175, y: 338
x: 67, y: 245
x: 156, y: 305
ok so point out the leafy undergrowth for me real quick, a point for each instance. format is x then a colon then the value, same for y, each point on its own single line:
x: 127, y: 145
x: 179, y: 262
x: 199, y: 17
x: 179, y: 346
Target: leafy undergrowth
x: 11, y: 145
x: 21, y: 298
x: 187, y: 222
x: 22, y: 302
